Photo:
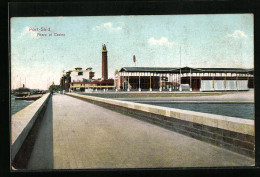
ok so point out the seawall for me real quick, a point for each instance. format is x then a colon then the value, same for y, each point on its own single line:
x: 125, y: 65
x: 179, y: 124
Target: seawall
x: 23, y: 121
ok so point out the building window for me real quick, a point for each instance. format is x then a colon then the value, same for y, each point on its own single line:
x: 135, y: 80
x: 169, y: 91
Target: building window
x: 80, y: 73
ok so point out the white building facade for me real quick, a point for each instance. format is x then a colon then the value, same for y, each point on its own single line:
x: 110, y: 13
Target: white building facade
x: 79, y: 75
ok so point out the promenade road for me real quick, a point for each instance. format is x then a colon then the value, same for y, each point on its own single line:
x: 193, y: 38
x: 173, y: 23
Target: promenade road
x: 78, y: 135
x: 246, y: 96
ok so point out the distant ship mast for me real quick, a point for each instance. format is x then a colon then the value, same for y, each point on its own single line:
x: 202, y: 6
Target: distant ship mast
x: 180, y: 65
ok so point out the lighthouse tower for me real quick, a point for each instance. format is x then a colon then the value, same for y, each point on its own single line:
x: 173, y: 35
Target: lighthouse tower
x: 104, y: 63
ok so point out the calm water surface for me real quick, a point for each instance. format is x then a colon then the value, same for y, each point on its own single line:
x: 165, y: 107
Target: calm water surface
x: 234, y: 110
x: 17, y: 105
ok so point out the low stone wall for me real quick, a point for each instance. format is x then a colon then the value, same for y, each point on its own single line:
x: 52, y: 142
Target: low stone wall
x: 235, y: 134
x: 23, y: 121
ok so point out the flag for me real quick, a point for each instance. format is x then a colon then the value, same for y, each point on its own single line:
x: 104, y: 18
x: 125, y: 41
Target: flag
x: 134, y: 59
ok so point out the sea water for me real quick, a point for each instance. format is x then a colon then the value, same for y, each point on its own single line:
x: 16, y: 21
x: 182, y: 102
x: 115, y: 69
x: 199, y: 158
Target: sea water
x: 17, y: 105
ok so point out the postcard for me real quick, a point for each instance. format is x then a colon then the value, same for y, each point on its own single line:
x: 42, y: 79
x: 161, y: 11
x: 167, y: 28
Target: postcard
x: 132, y: 91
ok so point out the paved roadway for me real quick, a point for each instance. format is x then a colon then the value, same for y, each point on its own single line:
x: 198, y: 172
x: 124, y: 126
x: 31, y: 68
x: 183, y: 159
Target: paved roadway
x: 78, y: 135
x: 245, y: 96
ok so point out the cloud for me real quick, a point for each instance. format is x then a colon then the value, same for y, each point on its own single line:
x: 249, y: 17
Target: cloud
x: 161, y: 42
x: 12, y: 30
x: 237, y: 34
x: 107, y: 26
x: 28, y: 33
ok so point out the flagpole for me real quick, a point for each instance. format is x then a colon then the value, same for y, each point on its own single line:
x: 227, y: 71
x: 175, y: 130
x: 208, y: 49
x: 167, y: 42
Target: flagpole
x: 134, y: 60
x: 180, y: 59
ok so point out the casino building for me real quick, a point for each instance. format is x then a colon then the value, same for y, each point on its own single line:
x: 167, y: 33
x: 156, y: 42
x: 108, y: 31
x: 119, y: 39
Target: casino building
x: 186, y: 79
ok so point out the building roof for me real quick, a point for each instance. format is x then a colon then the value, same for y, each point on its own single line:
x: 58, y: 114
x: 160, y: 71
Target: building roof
x: 186, y: 70
x: 146, y: 69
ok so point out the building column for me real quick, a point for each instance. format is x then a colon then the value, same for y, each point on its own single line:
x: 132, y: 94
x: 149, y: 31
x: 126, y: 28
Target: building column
x: 247, y: 80
x: 180, y: 84
x: 236, y: 82
x: 160, y: 80
x: 128, y: 84
x: 139, y: 83
x: 200, y: 81
x: 190, y: 81
x: 173, y: 78
x: 150, y: 82
x: 225, y: 82
x: 170, y: 89
x: 213, y: 81
x: 176, y: 81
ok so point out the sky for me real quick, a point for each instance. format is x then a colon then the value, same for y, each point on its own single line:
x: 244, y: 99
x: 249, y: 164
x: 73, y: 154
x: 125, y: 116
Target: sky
x: 224, y: 40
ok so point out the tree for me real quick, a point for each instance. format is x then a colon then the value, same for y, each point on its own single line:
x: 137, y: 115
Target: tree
x: 116, y: 72
x: 54, y: 88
